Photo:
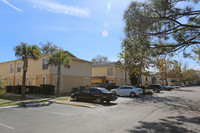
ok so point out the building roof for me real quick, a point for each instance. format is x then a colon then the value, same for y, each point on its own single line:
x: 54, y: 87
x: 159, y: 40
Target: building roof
x: 105, y: 64
x: 70, y: 55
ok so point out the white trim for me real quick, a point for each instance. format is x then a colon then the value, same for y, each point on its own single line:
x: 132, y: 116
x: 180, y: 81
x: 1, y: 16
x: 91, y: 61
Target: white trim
x: 44, y: 79
x: 10, y: 81
x: 42, y: 64
x: 10, y: 68
x: 17, y: 67
x: 18, y: 81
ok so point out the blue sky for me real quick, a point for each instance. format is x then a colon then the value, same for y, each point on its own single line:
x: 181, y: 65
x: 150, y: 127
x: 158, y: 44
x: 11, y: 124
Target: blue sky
x: 86, y: 28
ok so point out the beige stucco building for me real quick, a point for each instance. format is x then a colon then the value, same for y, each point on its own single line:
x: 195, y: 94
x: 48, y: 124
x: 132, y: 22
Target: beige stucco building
x: 110, y: 74
x: 39, y: 73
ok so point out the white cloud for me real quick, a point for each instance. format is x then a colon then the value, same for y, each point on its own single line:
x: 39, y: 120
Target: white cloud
x: 59, y: 8
x: 7, y: 3
x: 105, y: 33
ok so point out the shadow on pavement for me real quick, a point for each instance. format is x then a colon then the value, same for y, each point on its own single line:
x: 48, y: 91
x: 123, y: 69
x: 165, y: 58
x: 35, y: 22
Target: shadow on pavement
x: 184, y: 90
x: 172, y: 101
x: 95, y: 104
x: 168, y: 125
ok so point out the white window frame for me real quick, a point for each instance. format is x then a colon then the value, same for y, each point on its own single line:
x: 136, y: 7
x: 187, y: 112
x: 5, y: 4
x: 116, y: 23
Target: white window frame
x: 18, y: 81
x: 10, y: 81
x: 11, y: 66
x: 19, y: 67
x: 43, y: 60
x: 109, y: 71
x: 44, y: 79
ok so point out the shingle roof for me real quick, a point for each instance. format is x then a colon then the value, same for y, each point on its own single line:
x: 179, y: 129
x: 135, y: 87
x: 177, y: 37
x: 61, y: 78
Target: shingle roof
x: 105, y: 64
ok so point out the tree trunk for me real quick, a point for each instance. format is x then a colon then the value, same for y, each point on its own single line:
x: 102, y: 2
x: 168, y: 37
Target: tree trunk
x: 166, y: 79
x: 140, y: 72
x: 25, y: 68
x: 58, y: 81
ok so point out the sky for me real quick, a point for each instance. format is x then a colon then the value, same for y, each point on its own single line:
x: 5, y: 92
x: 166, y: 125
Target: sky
x: 86, y: 28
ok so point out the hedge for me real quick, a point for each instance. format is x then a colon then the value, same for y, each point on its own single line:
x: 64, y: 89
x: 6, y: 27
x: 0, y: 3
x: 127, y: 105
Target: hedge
x: 45, y: 89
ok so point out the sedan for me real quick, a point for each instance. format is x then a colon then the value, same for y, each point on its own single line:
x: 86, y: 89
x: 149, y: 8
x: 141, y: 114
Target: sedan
x: 97, y: 94
x: 128, y: 91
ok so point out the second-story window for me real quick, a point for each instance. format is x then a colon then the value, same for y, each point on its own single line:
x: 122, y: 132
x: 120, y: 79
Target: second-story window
x: 44, y: 63
x: 11, y: 68
x: 19, y: 67
x: 110, y: 71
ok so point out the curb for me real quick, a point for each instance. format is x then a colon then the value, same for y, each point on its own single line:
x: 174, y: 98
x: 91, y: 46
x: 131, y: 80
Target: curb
x: 28, y: 105
x: 73, y: 104
x: 8, y: 107
x: 37, y: 104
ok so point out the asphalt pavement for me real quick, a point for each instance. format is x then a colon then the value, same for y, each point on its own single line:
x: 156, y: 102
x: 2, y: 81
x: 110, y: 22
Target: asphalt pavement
x: 176, y: 111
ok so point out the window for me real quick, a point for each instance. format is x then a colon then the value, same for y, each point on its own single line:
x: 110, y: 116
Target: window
x: 110, y: 71
x: 19, y: 67
x: 11, y: 68
x: 18, y: 80
x: 43, y: 79
x: 45, y: 64
x: 10, y: 81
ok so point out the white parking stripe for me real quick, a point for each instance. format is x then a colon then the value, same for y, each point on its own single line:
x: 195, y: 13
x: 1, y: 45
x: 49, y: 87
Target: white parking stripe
x: 1, y: 124
x: 51, y: 112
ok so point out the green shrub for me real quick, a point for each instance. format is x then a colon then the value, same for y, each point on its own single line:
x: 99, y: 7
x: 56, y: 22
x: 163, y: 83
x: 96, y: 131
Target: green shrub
x: 148, y: 92
x: 33, y: 89
x: 8, y: 88
x: 47, y: 89
x: 16, y: 89
x: 2, y: 90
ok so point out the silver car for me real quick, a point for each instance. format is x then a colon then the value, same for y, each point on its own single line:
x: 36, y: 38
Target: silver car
x: 128, y: 91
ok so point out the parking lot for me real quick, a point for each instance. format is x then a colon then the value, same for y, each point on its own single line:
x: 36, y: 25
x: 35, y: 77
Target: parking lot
x: 169, y: 111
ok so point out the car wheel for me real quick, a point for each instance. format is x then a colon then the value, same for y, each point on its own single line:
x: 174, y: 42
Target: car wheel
x: 98, y: 100
x: 132, y: 94
x: 75, y: 98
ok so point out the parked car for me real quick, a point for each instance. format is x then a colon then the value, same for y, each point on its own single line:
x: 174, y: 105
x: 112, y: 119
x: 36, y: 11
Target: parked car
x: 174, y: 86
x: 166, y: 88
x: 155, y: 88
x: 97, y: 94
x: 127, y: 91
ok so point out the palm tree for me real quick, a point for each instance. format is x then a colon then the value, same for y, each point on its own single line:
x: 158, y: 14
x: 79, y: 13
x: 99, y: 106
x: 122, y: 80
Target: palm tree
x: 25, y: 52
x: 58, y: 59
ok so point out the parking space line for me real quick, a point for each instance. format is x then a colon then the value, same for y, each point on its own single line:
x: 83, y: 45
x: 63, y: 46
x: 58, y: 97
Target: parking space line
x: 1, y: 124
x: 51, y: 112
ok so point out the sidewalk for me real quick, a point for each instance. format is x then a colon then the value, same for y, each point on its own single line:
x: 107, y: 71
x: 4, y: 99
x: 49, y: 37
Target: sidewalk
x: 73, y: 103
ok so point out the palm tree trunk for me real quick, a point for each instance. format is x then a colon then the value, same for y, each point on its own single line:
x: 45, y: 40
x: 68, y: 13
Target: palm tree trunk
x: 23, y: 91
x: 58, y: 81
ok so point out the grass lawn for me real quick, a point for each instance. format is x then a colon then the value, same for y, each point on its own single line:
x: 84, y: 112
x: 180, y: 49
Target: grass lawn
x: 11, y: 100
x: 63, y: 98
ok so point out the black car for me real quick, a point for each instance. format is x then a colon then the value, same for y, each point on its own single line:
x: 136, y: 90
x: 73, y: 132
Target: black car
x: 94, y: 94
x: 156, y: 88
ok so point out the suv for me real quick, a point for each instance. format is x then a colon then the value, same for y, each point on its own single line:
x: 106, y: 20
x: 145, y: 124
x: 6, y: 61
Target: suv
x: 156, y: 88
x: 97, y: 94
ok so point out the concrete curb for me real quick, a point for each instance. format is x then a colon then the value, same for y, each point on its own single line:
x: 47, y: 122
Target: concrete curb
x: 74, y: 104
x: 8, y: 107
x: 28, y: 105
x: 37, y: 104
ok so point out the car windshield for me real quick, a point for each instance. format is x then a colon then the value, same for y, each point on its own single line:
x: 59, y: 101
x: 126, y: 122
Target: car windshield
x: 103, y: 90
